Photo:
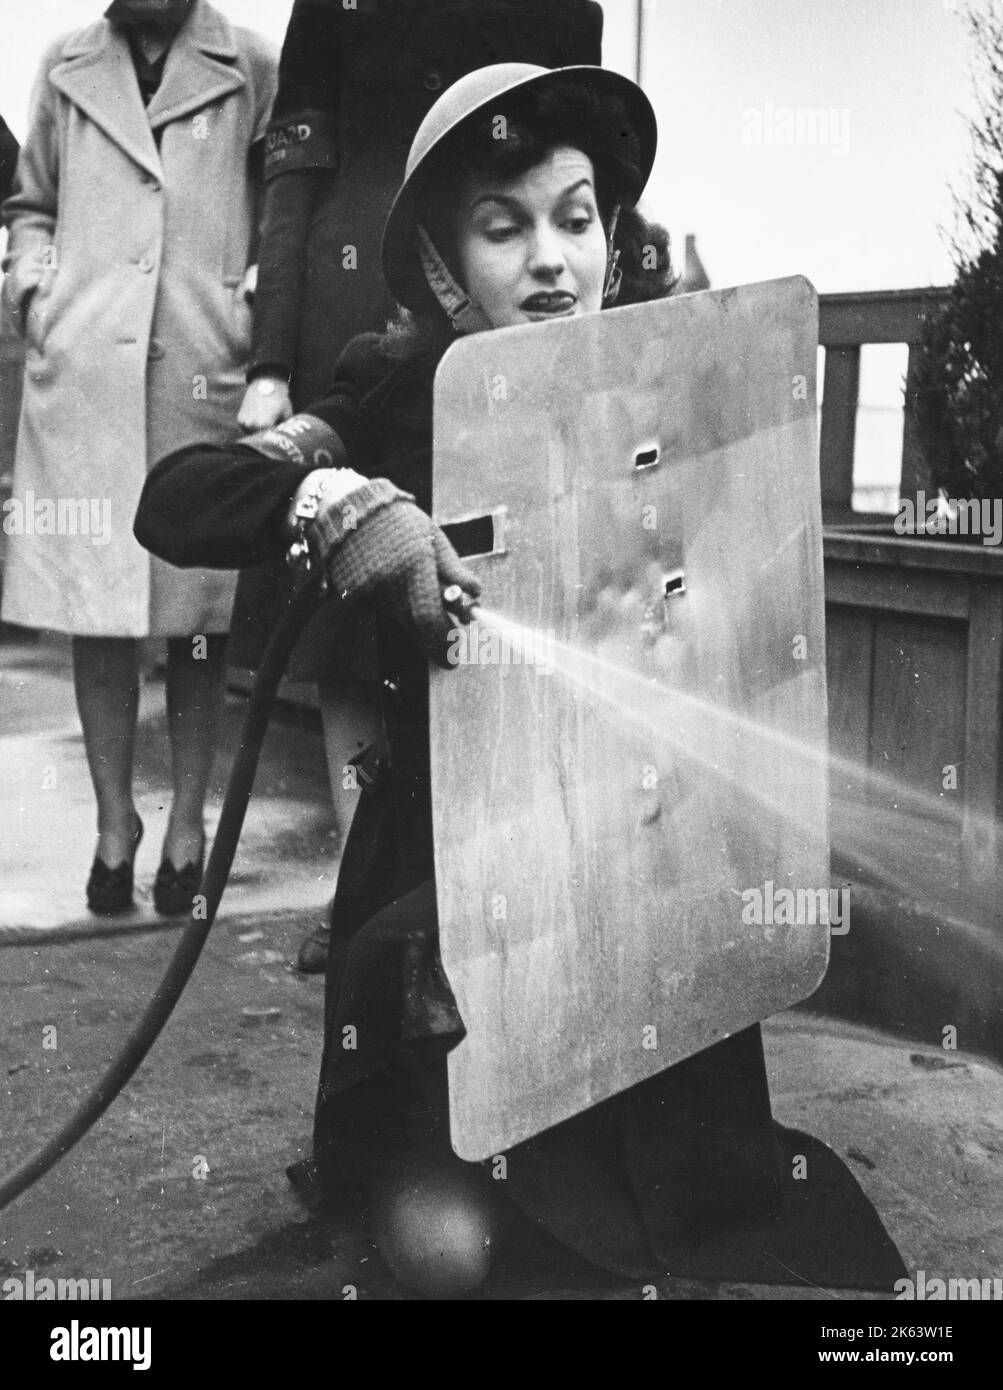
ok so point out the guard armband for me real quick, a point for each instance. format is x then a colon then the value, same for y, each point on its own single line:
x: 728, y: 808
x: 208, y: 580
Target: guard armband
x: 307, y: 140
x: 302, y: 439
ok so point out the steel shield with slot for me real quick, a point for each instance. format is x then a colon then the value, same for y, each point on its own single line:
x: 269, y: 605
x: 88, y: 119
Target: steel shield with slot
x: 629, y: 784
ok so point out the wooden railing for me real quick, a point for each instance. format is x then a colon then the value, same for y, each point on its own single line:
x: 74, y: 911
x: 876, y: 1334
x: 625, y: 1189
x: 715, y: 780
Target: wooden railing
x: 848, y: 322
x: 914, y: 630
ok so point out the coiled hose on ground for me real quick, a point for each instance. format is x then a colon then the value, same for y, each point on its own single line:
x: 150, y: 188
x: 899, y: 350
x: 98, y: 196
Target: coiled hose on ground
x: 189, y: 948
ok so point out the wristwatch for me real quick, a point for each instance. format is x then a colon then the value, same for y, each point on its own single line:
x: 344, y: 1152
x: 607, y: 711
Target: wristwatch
x: 267, y: 377
x: 298, y: 555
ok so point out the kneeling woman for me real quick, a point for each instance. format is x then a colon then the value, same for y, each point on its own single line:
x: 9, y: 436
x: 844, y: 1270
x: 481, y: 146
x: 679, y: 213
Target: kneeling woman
x: 518, y: 207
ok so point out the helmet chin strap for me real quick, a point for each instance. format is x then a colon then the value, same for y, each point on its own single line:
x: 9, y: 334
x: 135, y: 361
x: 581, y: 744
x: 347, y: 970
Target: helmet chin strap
x: 614, y: 275
x: 466, y: 316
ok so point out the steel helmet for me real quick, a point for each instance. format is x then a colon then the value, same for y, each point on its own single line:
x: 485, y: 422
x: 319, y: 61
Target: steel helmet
x: 472, y: 95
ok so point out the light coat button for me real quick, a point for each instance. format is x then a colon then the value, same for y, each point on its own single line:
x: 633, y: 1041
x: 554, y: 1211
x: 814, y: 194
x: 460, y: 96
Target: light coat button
x: 151, y: 182
x: 156, y: 350
x: 147, y: 263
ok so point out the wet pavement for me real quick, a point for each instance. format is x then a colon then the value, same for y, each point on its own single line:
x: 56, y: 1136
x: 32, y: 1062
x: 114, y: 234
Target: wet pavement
x: 180, y: 1191
x: 287, y: 859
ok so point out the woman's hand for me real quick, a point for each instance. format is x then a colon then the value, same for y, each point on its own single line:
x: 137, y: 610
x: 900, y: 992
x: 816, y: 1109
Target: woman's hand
x: 376, y: 544
x: 20, y: 283
x: 266, y: 403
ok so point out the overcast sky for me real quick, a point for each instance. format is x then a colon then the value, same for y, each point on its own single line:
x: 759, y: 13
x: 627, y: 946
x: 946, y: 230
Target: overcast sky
x: 814, y: 137
x: 873, y: 86
x: 731, y: 79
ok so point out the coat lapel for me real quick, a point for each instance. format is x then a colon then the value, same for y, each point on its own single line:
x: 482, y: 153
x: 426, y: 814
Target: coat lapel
x: 98, y: 76
x: 199, y: 69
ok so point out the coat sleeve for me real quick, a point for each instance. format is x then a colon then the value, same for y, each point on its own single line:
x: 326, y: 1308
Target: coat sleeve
x: 8, y: 159
x: 287, y: 207
x: 303, y: 132
x: 30, y: 212
x: 217, y: 507
x: 223, y: 506
x: 262, y: 65
x: 301, y: 158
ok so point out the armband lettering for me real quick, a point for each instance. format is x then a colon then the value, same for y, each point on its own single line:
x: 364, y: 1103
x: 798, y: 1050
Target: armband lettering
x: 307, y: 140
x: 302, y: 439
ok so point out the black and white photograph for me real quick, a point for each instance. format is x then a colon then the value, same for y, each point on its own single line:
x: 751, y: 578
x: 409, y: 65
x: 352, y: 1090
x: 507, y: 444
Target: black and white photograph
x: 501, y: 668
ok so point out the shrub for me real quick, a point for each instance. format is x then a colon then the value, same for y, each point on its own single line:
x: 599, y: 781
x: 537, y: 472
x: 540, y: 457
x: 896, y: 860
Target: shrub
x: 960, y: 381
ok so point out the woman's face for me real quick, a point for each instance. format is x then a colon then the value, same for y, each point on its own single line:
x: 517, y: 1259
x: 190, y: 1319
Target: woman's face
x: 533, y: 248
x: 153, y: 14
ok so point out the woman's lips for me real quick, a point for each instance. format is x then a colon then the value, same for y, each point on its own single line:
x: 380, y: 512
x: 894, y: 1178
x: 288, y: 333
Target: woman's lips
x: 548, y: 305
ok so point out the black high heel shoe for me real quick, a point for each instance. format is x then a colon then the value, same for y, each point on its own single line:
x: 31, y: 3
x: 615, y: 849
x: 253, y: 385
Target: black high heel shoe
x: 174, y: 889
x: 109, y: 890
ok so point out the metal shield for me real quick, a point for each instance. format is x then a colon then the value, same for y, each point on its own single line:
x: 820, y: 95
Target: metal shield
x: 629, y: 786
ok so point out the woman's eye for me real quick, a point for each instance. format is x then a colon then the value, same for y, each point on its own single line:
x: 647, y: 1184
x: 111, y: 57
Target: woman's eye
x: 501, y: 232
x: 579, y: 224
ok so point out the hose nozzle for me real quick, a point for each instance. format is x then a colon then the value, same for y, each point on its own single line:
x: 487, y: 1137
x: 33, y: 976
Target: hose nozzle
x: 460, y: 603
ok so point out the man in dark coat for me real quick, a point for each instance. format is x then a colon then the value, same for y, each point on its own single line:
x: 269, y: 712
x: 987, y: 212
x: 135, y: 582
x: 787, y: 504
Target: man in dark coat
x: 8, y: 159
x: 354, y: 85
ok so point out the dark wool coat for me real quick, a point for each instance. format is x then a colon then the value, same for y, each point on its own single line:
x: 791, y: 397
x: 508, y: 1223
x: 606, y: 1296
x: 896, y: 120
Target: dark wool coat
x: 8, y: 159
x: 685, y: 1172
x: 354, y: 85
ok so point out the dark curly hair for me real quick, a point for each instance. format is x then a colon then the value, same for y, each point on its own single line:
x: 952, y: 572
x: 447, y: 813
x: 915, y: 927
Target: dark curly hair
x: 510, y: 141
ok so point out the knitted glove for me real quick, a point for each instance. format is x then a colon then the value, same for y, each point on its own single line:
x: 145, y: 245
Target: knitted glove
x: 376, y: 544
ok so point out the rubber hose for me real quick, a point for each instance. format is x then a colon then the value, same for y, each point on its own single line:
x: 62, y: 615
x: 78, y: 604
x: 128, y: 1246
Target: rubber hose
x: 189, y: 948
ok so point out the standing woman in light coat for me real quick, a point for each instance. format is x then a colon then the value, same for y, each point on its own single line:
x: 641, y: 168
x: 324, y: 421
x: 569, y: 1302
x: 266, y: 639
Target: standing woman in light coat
x: 131, y: 228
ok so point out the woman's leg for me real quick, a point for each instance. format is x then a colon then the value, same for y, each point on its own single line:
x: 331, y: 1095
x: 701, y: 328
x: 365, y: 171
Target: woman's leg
x: 350, y: 713
x: 351, y: 719
x: 106, y: 682
x: 195, y: 669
